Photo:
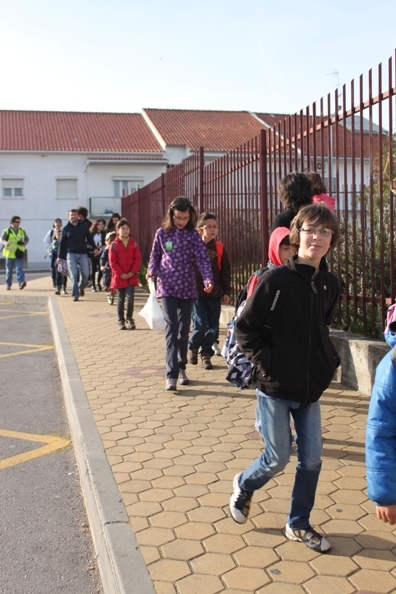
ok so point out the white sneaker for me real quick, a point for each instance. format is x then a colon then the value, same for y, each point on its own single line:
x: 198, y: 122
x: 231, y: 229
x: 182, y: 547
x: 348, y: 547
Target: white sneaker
x: 216, y: 348
x: 309, y: 537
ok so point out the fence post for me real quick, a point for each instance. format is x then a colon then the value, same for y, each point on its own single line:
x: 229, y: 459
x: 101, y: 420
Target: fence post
x: 201, y: 179
x: 163, y: 197
x: 263, y: 198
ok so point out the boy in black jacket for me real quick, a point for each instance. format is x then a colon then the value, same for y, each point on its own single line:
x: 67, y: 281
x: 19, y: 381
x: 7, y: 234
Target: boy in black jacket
x: 295, y: 364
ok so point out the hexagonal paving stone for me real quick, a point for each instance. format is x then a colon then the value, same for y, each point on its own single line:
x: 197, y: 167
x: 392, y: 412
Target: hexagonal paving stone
x: 324, y: 584
x: 168, y: 570
x: 155, y: 536
x: 195, y: 530
x: 290, y: 571
x: 256, y: 557
x: 199, y: 584
x: 332, y: 565
x: 345, y: 512
x: 182, y: 549
x: 212, y: 563
x: 376, y: 581
x: 223, y: 543
x: 246, y: 578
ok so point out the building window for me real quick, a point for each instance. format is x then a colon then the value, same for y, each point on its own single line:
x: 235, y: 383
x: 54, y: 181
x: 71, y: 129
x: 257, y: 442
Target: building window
x: 123, y: 187
x: 66, y: 188
x: 12, y: 187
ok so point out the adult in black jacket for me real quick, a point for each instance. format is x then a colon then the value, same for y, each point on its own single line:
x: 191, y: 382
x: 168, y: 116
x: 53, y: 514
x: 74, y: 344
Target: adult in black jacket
x: 73, y: 247
x: 295, y: 191
x: 295, y: 363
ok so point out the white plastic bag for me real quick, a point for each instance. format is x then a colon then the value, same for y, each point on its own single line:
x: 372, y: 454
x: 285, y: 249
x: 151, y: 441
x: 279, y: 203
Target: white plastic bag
x: 152, y: 311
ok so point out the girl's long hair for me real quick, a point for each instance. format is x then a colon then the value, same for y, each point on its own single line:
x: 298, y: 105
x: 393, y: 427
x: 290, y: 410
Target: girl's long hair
x: 181, y: 204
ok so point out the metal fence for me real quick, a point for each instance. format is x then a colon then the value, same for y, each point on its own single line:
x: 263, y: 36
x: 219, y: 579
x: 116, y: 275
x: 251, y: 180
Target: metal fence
x: 349, y: 139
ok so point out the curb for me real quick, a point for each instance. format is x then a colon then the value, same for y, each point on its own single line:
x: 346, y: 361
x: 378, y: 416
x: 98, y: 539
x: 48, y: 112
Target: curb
x: 120, y: 561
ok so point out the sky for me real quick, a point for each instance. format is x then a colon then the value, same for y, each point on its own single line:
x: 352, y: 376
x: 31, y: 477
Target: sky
x: 275, y: 56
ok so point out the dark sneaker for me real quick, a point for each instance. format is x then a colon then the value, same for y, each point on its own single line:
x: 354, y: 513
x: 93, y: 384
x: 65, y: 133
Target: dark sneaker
x: 131, y: 324
x: 82, y: 292
x: 8, y: 288
x: 240, y: 501
x: 121, y: 326
x: 309, y: 537
x: 183, y: 379
x: 22, y: 285
x: 193, y: 358
x: 206, y: 362
x: 93, y: 290
x: 57, y: 292
x: 170, y: 384
x: 75, y: 298
x: 64, y: 292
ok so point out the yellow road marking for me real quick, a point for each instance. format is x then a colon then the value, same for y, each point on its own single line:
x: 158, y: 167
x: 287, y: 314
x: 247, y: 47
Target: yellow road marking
x: 52, y: 443
x: 35, y: 348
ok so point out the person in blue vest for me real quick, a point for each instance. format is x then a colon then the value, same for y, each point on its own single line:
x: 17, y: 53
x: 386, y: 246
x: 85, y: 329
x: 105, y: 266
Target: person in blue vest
x: 14, y: 240
x: 207, y: 307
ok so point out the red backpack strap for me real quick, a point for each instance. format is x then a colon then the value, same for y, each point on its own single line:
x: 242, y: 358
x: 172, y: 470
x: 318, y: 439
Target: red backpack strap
x: 219, y: 250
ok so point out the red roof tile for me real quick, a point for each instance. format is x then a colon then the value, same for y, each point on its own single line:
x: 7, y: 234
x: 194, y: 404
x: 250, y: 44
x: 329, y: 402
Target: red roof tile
x: 75, y: 131
x: 214, y: 130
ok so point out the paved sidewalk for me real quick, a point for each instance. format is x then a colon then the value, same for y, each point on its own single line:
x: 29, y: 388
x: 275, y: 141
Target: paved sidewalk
x: 174, y: 455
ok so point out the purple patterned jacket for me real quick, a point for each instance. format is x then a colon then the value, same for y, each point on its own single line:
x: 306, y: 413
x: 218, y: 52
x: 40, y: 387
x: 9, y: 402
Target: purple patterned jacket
x: 172, y: 260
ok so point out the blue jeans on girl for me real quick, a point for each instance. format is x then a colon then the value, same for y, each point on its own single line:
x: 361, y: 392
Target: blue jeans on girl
x: 177, y: 314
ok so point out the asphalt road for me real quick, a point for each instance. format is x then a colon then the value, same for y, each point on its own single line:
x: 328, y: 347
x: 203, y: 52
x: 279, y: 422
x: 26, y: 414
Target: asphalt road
x: 45, y: 542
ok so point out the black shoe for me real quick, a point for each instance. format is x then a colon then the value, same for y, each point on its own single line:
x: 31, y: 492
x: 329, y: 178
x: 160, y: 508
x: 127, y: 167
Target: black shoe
x: 121, y: 326
x: 75, y: 298
x: 100, y: 288
x: 131, y: 325
x: 8, y: 288
x: 82, y: 292
x: 206, y: 362
x: 57, y: 292
x: 193, y: 358
x: 64, y: 292
x: 22, y: 285
x: 240, y: 501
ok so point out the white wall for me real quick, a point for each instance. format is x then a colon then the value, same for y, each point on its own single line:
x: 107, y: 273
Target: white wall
x: 40, y: 206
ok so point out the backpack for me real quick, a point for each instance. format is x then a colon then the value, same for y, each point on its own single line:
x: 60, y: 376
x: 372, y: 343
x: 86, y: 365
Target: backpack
x: 220, y: 251
x: 241, y: 372
x: 242, y: 294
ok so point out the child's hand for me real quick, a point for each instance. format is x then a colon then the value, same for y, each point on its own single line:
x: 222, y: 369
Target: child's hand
x: 226, y: 300
x: 150, y: 275
x: 102, y: 268
x: 387, y: 513
x: 125, y: 276
x: 208, y: 287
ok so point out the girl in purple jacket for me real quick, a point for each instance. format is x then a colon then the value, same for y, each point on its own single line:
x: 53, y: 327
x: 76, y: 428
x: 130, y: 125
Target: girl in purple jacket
x: 177, y: 249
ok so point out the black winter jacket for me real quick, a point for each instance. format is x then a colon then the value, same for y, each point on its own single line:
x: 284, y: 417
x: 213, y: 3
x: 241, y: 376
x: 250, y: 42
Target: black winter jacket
x: 295, y: 360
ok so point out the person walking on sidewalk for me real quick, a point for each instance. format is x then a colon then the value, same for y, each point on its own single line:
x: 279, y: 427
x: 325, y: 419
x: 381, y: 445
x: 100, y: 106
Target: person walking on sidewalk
x: 295, y: 363
x: 73, y: 248
x: 125, y: 261
x: 177, y: 249
x: 207, y: 308
x: 14, y: 240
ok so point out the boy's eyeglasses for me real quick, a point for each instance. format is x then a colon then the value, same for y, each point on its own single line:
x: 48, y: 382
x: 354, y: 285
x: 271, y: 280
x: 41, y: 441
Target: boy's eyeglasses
x: 325, y: 231
x: 207, y: 228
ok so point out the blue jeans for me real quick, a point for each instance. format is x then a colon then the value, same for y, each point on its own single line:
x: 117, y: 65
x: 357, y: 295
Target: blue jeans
x: 78, y: 264
x: 206, y: 315
x: 177, y: 314
x: 18, y: 263
x: 274, y: 419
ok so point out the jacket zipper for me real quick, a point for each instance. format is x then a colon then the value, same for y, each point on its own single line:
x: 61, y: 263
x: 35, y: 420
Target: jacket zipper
x: 315, y: 291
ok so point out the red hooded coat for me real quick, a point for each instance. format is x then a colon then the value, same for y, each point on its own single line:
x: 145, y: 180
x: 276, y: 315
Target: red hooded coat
x: 123, y: 260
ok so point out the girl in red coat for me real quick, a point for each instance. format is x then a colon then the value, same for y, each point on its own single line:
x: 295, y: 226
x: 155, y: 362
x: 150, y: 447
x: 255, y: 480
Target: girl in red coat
x: 125, y: 260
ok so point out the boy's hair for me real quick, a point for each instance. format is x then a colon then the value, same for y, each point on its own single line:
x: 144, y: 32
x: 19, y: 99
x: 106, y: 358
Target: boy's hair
x: 72, y: 210
x: 285, y: 241
x: 317, y: 214
x: 15, y: 218
x: 57, y: 221
x: 82, y: 211
x: 121, y: 223
x: 317, y: 183
x: 205, y: 216
x: 295, y: 190
x: 182, y: 204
